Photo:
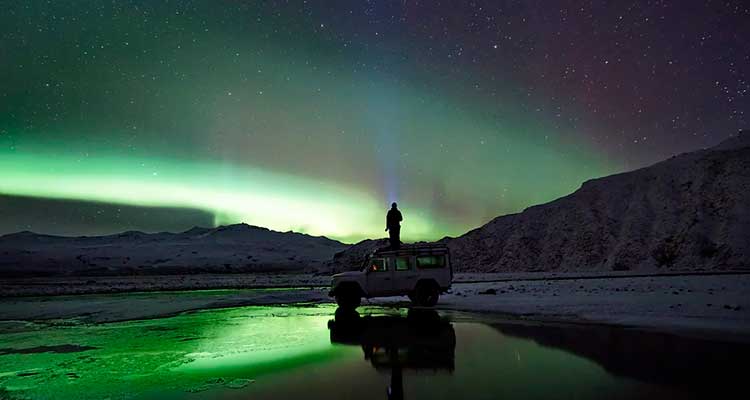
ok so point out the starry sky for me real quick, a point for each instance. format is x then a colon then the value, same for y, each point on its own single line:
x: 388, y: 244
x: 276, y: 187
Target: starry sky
x: 314, y: 116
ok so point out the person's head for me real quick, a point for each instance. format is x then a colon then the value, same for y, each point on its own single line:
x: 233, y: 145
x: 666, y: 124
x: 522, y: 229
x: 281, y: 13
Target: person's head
x: 394, y: 205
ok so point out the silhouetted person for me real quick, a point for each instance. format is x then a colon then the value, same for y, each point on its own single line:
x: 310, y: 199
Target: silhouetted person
x: 393, y: 226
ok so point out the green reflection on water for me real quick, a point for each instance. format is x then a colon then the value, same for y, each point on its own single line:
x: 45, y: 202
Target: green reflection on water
x: 164, y: 357
x: 279, y: 352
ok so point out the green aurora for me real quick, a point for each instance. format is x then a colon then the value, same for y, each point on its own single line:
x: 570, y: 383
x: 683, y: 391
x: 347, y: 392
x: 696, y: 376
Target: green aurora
x: 298, y: 131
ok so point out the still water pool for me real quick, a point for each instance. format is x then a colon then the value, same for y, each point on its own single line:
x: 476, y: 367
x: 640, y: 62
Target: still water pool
x: 317, y: 352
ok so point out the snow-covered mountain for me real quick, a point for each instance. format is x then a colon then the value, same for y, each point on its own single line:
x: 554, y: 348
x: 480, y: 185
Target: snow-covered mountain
x: 234, y: 248
x: 690, y: 212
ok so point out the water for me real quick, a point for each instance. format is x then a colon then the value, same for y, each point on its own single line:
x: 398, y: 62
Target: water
x: 317, y: 353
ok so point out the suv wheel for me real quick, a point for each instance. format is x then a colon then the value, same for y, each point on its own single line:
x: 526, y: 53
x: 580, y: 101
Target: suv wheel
x: 348, y: 299
x: 426, y: 294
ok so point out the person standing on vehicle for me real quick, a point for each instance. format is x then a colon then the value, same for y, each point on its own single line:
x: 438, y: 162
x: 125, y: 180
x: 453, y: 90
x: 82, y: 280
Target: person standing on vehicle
x: 393, y: 226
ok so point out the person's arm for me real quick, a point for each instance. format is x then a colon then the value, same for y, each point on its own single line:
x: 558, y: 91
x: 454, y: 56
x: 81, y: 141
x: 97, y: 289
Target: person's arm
x: 400, y: 218
x: 386, y: 222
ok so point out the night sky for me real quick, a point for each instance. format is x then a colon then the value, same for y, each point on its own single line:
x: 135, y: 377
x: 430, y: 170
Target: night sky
x: 313, y: 116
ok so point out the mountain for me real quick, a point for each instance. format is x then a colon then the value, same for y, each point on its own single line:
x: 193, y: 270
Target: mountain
x: 233, y: 248
x: 690, y: 212
x: 352, y: 257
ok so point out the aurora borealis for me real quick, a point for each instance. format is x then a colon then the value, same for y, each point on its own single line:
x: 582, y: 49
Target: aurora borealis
x: 314, y: 116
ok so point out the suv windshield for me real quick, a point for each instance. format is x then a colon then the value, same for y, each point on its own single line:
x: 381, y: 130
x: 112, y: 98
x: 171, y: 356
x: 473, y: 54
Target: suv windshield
x: 373, y: 264
x: 378, y: 265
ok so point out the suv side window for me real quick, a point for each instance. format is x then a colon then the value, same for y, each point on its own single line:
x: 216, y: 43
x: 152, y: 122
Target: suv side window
x: 403, y: 263
x: 431, y: 261
x: 378, y: 265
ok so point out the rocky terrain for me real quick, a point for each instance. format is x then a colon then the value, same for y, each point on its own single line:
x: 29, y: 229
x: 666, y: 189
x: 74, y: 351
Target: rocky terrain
x: 690, y: 212
x: 226, y: 249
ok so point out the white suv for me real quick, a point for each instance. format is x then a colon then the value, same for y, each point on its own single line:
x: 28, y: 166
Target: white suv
x: 421, y: 272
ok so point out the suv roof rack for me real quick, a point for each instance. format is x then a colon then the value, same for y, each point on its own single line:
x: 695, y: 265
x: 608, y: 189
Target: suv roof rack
x: 421, y: 248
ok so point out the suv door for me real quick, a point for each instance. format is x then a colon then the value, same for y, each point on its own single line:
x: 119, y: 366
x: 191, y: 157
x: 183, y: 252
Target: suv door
x: 405, y: 275
x: 379, y: 278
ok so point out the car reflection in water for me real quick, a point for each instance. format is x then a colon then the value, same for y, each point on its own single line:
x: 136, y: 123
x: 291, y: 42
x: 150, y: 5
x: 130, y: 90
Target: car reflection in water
x: 420, y: 341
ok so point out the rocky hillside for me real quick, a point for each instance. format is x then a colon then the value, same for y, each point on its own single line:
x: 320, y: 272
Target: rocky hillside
x: 351, y: 258
x: 234, y: 248
x: 690, y: 212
